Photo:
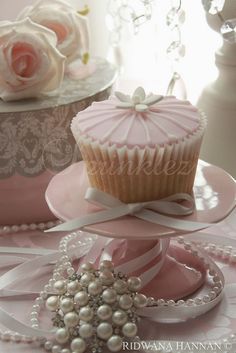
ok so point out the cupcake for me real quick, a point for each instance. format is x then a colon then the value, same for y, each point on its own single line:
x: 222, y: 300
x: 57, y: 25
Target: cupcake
x: 140, y: 148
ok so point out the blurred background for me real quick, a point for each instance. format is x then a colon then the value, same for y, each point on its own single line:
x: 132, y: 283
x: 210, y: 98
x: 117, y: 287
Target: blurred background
x: 143, y: 54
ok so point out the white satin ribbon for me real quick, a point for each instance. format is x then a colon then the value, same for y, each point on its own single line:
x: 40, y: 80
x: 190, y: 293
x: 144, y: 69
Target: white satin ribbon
x: 153, y: 211
x: 89, y: 252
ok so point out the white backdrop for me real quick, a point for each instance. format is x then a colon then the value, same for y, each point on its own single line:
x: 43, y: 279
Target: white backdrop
x: 144, y: 55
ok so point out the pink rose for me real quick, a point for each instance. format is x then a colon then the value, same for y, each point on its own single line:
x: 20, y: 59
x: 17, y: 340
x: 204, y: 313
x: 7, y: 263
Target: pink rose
x: 30, y: 63
x: 70, y: 27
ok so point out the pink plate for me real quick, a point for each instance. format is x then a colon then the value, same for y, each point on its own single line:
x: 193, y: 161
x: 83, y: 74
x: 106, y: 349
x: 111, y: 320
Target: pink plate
x: 214, y: 192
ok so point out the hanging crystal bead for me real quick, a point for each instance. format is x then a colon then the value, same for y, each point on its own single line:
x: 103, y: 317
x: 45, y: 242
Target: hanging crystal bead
x: 213, y: 6
x: 228, y: 30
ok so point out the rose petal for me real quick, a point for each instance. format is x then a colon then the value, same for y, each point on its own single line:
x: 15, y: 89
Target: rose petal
x: 30, y: 63
x: 60, y: 30
x: 71, y: 28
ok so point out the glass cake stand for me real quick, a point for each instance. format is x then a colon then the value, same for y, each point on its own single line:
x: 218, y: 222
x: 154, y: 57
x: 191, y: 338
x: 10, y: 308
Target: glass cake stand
x: 182, y: 273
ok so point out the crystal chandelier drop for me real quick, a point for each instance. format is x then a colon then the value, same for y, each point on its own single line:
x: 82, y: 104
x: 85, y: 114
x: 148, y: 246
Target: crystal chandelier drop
x: 176, y: 49
x: 123, y: 13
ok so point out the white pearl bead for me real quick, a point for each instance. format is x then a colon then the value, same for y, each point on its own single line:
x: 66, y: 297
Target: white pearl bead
x: 140, y: 300
x: 33, y: 226
x: 104, y: 312
x: 81, y: 298
x: 162, y: 302
x: 134, y: 284
x: 95, y: 288
x: 206, y: 298
x: 47, y: 288
x: 71, y: 319
x: 115, y: 343
x: 62, y: 335
x: 73, y: 287
x: 198, y: 301
x: 109, y: 296
x: 67, y: 305
x: 78, y: 345
x: 39, y: 301
x: 60, y: 287
x: 86, y: 330
x: 129, y: 329
x: 233, y: 258
x: 52, y: 303
x: 212, y: 272
x: 189, y: 302
x: 36, y: 307
x: 86, y: 314
x: 106, y: 265
x: 17, y: 337
x: 34, y: 314
x: 125, y: 301
x: 216, y: 279
x: 48, y: 346
x: 70, y: 271
x: 119, y: 317
x: 6, y: 336
x: 56, y: 349
x: 104, y: 330
x: 106, y: 277
x: 88, y: 267
x: 43, y: 295
x: 34, y: 321
x: 120, y: 286
x: 15, y: 228
x: 65, y: 350
x: 86, y: 279
x: 212, y: 294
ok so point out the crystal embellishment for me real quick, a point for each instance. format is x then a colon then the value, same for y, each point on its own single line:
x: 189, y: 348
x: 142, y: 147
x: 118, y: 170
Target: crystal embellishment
x: 213, y: 6
x: 228, y: 30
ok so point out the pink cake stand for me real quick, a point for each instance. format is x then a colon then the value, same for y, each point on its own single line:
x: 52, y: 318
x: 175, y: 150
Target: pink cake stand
x: 182, y: 273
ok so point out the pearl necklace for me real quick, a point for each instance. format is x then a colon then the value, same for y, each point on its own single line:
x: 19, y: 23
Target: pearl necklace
x: 64, y: 266
x: 27, y: 227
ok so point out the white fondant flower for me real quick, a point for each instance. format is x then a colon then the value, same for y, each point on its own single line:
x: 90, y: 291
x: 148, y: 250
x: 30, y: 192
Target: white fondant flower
x: 30, y: 63
x: 70, y: 27
x: 138, y: 101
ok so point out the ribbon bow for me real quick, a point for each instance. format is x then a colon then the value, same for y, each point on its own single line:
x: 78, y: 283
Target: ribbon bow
x: 157, y: 212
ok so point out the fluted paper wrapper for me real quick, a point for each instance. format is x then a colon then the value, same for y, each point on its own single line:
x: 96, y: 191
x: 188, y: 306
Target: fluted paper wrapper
x: 142, y: 174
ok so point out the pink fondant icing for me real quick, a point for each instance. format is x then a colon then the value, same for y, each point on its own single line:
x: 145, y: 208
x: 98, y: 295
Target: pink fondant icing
x: 167, y: 121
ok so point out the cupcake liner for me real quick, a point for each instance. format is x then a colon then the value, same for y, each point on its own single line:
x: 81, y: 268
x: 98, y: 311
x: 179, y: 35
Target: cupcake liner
x: 142, y: 174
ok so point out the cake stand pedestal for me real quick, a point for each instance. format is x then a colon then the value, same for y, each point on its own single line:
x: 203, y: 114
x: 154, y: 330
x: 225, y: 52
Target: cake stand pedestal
x: 181, y: 273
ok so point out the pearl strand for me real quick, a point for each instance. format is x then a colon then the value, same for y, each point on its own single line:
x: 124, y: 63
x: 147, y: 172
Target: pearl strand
x: 215, y: 290
x: 64, y: 265
x: 226, y: 253
x: 27, y: 227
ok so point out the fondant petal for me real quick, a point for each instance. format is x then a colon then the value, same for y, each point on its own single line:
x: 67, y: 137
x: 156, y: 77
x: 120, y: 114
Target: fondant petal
x: 139, y: 95
x: 123, y: 97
